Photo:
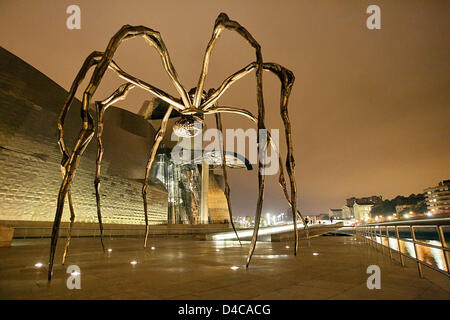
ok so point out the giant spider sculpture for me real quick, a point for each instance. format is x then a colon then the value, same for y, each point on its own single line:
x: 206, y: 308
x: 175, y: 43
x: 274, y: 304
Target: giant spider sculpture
x: 192, y: 105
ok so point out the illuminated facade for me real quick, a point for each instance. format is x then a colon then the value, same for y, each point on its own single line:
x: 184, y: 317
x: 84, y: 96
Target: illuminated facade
x: 362, y: 211
x: 438, y: 198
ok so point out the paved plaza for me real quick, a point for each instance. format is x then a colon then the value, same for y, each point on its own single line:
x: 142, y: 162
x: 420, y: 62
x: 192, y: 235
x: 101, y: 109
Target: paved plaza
x: 327, y: 267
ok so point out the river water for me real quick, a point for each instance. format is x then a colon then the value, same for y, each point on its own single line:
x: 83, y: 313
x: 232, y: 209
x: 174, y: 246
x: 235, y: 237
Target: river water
x: 429, y: 235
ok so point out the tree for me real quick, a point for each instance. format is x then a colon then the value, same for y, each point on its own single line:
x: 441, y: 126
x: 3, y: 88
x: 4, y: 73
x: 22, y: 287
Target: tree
x: 384, y: 208
x: 387, y: 207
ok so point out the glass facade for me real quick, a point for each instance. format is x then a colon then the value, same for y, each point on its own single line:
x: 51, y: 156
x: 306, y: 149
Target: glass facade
x: 183, y: 184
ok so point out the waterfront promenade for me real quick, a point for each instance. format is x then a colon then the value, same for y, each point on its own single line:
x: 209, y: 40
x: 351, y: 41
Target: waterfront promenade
x: 327, y: 267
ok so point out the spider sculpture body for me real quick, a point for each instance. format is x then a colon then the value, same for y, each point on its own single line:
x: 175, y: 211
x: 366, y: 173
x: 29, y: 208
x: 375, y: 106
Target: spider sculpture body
x: 193, y: 106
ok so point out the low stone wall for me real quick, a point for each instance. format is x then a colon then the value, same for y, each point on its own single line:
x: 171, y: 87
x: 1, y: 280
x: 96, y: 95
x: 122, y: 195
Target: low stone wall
x: 312, y: 231
x: 40, y: 229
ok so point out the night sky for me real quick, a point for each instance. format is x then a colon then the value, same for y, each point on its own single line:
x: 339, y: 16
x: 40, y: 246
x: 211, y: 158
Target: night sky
x: 369, y: 109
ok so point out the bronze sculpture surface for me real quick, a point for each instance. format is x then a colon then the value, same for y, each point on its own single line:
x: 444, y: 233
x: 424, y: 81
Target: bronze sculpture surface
x: 192, y: 105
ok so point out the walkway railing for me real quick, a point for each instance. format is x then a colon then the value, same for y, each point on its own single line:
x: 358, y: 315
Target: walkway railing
x: 374, y: 234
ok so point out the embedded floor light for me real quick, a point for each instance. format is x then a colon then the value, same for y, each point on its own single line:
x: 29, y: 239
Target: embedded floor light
x: 134, y: 262
x: 38, y: 265
x: 234, y: 268
x: 109, y: 250
x: 315, y: 254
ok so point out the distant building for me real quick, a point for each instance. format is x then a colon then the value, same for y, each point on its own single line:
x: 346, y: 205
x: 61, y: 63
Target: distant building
x: 361, y: 210
x: 438, y: 198
x: 347, y: 212
x: 335, y: 213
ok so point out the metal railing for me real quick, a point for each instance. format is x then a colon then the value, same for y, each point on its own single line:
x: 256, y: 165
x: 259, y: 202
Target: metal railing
x: 371, y: 234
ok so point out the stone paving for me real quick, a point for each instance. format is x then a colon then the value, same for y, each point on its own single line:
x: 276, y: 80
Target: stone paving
x: 327, y: 267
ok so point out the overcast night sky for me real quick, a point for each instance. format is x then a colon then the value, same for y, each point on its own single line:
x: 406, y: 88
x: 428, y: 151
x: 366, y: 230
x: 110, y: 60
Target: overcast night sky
x: 369, y: 109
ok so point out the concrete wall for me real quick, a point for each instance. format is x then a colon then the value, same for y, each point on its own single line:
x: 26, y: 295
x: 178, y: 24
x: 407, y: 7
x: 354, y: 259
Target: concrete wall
x: 29, y: 155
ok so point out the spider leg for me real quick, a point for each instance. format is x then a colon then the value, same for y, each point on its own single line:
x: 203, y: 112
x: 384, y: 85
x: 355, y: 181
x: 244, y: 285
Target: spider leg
x: 83, y: 140
x: 248, y: 114
x: 158, y: 138
x: 216, y: 94
x: 287, y: 81
x: 281, y: 179
x: 101, y: 107
x: 223, y: 22
x: 69, y: 234
x: 225, y: 176
x: 90, y: 61
x: 286, y: 78
x: 260, y: 194
x: 178, y: 105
